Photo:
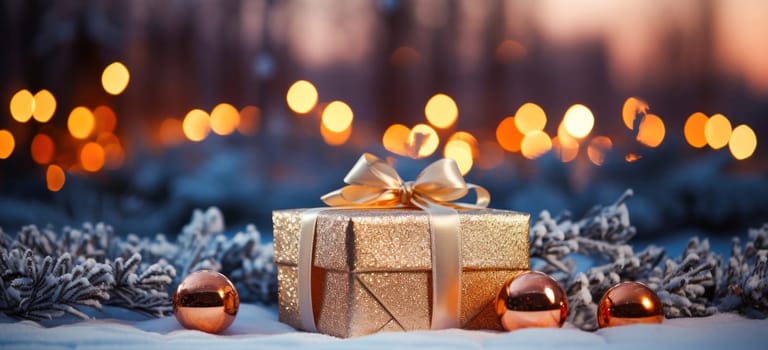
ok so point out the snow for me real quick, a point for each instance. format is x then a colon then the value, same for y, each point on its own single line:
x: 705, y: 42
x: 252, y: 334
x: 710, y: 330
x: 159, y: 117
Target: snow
x: 257, y: 327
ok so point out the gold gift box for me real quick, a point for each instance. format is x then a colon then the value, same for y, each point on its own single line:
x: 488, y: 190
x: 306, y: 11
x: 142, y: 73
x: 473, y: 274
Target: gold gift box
x: 372, y: 267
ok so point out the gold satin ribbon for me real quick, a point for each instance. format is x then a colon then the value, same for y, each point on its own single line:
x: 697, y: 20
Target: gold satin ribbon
x: 372, y: 183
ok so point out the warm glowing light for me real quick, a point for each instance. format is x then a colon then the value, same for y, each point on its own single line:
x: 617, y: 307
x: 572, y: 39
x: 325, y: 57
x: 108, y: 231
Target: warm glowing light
x: 7, y: 144
x: 196, y: 125
x: 441, y: 111
x: 508, y: 136
x: 422, y: 141
x: 469, y: 139
x: 22, y: 106
x: 578, y: 121
x: 632, y: 157
x: 114, y: 156
x: 42, y: 149
x: 461, y: 152
x: 404, y: 56
x: 80, y: 122
x: 224, y: 119
x: 510, y: 51
x: 337, y: 116
x: 651, y: 131
x: 45, y: 106
x: 717, y: 130
x: 632, y: 107
x: 171, y: 132
x: 395, y: 139
x: 530, y: 117
x: 250, y: 117
x: 694, y: 130
x: 301, y: 97
x: 55, y: 178
x: 647, y: 303
x: 535, y: 144
x: 106, y: 120
x: 115, y: 78
x: 743, y: 142
x: 597, y: 149
x: 335, y: 138
x: 491, y: 155
x: 566, y: 148
x: 92, y: 157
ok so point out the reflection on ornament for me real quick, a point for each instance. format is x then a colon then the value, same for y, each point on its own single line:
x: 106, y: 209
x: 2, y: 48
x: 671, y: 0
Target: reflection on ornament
x: 629, y: 303
x: 207, y: 301
x: 531, y: 299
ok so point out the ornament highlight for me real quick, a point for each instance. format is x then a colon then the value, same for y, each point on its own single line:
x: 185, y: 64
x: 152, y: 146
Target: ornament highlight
x: 629, y: 303
x: 531, y: 300
x: 206, y: 300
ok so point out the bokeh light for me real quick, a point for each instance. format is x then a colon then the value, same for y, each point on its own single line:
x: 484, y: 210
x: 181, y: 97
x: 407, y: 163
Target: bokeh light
x: 743, y: 142
x: 422, y: 141
x: 467, y: 138
x: 92, y: 157
x: 535, y: 144
x: 224, y: 119
x: 45, y: 106
x: 301, y: 97
x: 566, y: 148
x: 115, y: 78
x: 717, y: 130
x: 651, y: 131
x: 250, y: 118
x: 598, y: 148
x: 114, y: 155
x: 694, y: 130
x: 81, y: 122
x: 22, y: 105
x: 508, y: 136
x: 632, y: 107
x: 510, y: 51
x: 461, y: 152
x: 530, y: 117
x: 395, y: 139
x: 632, y: 157
x: 196, y: 125
x: 171, y: 132
x: 333, y: 138
x: 106, y: 120
x: 7, y: 144
x: 42, y: 149
x: 55, y: 178
x: 337, y: 116
x: 441, y: 111
x: 578, y: 121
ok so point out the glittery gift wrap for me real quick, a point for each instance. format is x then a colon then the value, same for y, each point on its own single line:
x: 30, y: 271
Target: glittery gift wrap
x: 372, y: 267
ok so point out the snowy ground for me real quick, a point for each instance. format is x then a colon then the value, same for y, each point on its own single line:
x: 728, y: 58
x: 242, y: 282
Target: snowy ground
x: 256, y: 327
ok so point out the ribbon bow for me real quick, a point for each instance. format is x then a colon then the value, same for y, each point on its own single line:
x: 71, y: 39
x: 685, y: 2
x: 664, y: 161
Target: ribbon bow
x: 372, y: 183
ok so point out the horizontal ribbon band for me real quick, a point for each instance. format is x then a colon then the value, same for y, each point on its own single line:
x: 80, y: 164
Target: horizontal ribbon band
x: 372, y: 183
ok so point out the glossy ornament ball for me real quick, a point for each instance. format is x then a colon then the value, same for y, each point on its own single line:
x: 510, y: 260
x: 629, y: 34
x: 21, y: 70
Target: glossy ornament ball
x: 629, y: 303
x: 207, y: 301
x: 531, y: 300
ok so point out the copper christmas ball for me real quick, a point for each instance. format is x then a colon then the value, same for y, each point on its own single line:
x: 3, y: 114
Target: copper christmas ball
x: 207, y: 301
x: 629, y: 303
x: 531, y: 300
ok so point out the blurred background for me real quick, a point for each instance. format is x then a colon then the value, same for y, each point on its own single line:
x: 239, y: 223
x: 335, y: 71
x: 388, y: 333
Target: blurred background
x: 137, y: 112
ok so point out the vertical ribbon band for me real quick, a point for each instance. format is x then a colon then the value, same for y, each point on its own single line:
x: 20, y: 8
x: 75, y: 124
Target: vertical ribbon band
x: 372, y: 183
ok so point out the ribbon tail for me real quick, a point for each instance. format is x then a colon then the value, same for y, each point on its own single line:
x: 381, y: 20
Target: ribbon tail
x: 304, y: 274
x: 446, y: 266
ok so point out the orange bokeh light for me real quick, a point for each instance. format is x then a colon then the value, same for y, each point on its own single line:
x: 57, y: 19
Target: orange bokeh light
x: 7, y: 144
x: 461, y: 152
x: 743, y: 142
x: 337, y: 117
x: 422, y: 141
x: 22, y: 105
x: 81, y: 122
x: 566, y: 148
x: 92, y: 157
x: 632, y: 107
x: 333, y: 138
x: 45, y: 106
x: 598, y: 148
x: 42, y: 149
x: 651, y: 131
x: 55, y: 178
x: 395, y: 139
x: 469, y: 139
x: 224, y: 119
x: 301, y: 97
x: 171, y: 132
x: 196, y: 125
x: 578, y: 121
x: 508, y: 136
x: 115, y: 78
x: 441, y: 111
x: 694, y: 129
x: 535, y: 144
x: 106, y: 120
x: 717, y: 130
x: 530, y: 117
x: 250, y: 117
